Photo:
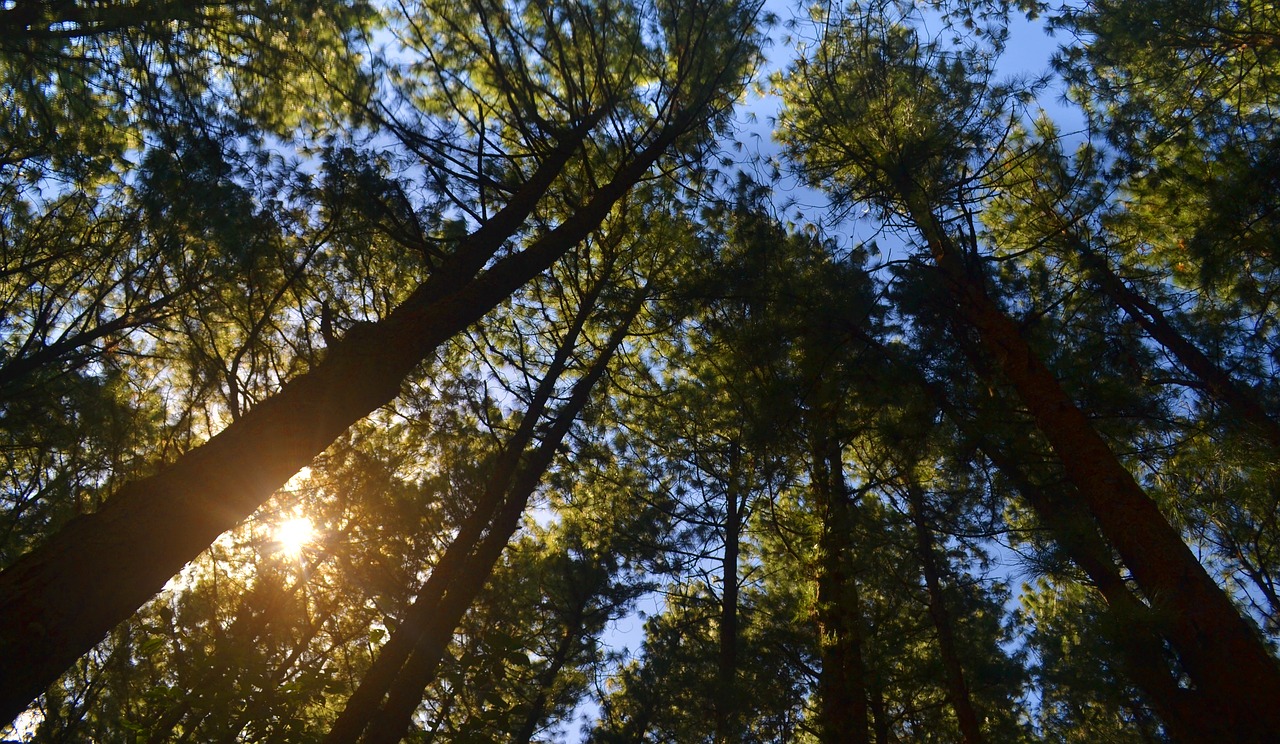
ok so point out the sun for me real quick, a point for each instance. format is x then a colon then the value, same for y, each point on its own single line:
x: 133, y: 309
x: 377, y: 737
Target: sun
x: 293, y: 536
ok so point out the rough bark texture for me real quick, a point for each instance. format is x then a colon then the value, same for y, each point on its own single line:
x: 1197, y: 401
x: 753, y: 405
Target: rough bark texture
x: 1220, y: 651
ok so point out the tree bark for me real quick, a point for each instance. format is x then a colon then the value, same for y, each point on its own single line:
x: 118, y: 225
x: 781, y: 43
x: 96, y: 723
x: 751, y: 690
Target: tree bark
x: 413, y: 654
x: 879, y: 711
x: 725, y: 698
x: 1220, y: 651
x: 1188, y: 716
x: 61, y: 599
x: 363, y: 703
x: 842, y: 682
x: 957, y: 687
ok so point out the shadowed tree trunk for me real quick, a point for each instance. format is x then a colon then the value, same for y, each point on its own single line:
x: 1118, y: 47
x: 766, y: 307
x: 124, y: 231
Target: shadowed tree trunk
x: 879, y: 711
x: 1187, y: 715
x: 381, y: 709
x: 843, y: 710
x: 570, y: 643
x: 1237, y: 398
x: 882, y: 115
x: 957, y: 687
x: 725, y: 699
x: 1219, y: 650
x: 65, y: 19
x: 363, y: 703
x: 61, y: 599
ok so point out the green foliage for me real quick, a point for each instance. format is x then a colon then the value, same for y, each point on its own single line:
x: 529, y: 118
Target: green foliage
x: 1084, y: 697
x: 800, y: 468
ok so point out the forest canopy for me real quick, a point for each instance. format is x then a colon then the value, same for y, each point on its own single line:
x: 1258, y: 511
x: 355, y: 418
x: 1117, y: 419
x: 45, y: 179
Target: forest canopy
x: 450, y: 371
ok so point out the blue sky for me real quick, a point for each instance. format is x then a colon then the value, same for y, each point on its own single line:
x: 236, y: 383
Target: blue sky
x: 1029, y: 52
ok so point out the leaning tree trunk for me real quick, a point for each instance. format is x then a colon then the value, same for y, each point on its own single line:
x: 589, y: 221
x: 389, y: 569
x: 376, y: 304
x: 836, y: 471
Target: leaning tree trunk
x: 1220, y: 651
x: 570, y: 644
x: 1238, y: 399
x: 1187, y: 714
x: 61, y: 599
x: 386, y: 702
x: 361, y: 707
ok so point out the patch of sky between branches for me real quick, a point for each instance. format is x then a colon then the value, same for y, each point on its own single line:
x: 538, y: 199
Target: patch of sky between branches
x: 753, y: 149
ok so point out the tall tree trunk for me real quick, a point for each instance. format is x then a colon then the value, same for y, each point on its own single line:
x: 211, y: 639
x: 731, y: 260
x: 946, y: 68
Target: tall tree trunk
x: 1220, y: 651
x: 725, y: 699
x: 61, y: 599
x: 1130, y: 626
x: 413, y: 654
x: 879, y: 711
x: 363, y: 703
x: 1188, y: 715
x: 843, y: 710
x: 957, y: 688
x: 390, y: 722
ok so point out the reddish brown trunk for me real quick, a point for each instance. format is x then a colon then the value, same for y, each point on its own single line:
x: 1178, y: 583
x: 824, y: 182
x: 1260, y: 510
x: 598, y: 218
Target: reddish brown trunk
x: 1188, y: 716
x: 1220, y: 651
